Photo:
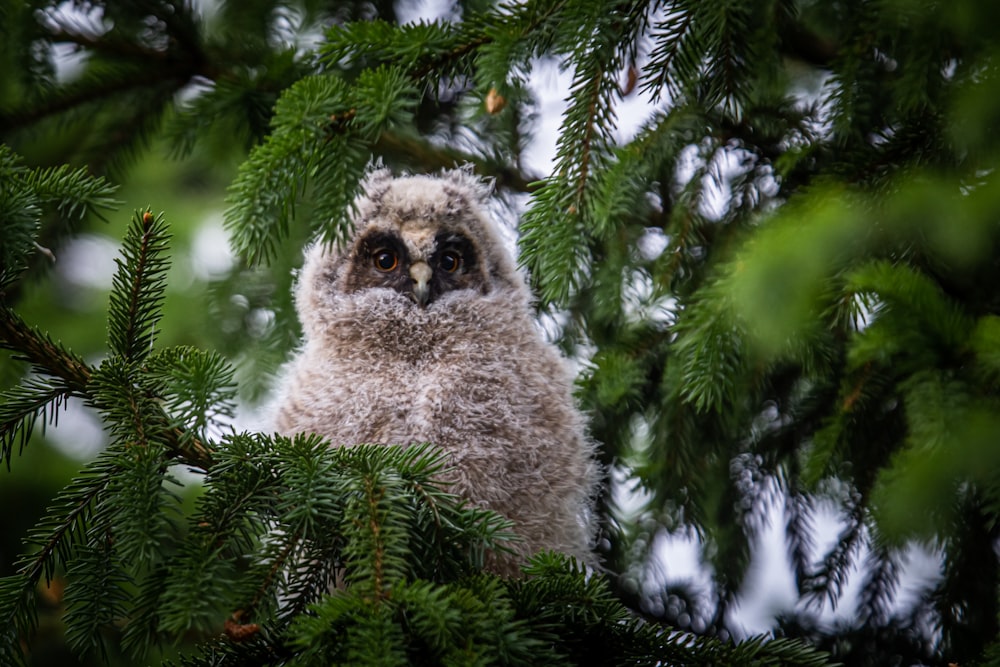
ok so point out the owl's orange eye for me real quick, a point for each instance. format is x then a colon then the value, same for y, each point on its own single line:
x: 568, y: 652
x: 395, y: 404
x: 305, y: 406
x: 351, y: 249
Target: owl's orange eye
x: 385, y: 260
x: 451, y: 261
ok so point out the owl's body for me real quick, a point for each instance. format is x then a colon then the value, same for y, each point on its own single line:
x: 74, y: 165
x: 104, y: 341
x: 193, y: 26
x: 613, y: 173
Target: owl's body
x: 421, y: 330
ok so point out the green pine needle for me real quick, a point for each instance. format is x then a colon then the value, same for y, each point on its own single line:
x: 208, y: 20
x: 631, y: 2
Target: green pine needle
x: 138, y: 287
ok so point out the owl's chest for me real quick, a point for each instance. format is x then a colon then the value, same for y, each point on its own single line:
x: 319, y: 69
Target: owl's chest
x: 443, y: 398
x: 443, y: 374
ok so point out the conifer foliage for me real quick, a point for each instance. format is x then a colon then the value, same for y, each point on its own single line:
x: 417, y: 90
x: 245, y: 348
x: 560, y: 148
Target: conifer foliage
x: 781, y: 286
x: 296, y: 553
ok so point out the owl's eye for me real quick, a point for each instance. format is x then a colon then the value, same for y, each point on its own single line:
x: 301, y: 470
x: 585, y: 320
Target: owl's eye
x: 451, y: 261
x: 385, y: 260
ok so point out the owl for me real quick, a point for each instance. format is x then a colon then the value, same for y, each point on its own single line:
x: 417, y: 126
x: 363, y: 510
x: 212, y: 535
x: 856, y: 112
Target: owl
x: 420, y: 329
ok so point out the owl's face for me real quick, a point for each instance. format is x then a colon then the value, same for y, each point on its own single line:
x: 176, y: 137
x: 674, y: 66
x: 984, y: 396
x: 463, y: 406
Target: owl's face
x: 416, y: 258
x: 427, y: 238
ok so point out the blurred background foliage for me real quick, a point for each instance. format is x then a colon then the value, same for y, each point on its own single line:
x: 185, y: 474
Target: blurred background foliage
x: 70, y: 301
x: 781, y: 283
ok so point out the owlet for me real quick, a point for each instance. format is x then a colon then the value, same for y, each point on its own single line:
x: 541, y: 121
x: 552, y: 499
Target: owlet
x: 420, y: 329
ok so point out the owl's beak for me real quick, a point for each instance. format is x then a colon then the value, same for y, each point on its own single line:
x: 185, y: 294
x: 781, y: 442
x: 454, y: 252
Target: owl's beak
x: 421, y: 274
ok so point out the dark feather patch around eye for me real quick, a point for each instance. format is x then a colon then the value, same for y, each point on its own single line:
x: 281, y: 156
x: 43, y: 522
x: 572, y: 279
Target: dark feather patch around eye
x: 456, y: 264
x: 375, y: 242
x: 454, y: 252
x: 379, y: 259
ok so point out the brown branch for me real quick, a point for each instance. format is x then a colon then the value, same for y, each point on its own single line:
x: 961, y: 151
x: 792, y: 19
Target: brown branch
x: 136, y: 284
x: 104, y: 44
x: 272, y: 572
x: 376, y: 530
x: 175, y: 65
x: 848, y: 403
x: 430, y: 64
x: 33, y: 569
x: 139, y: 79
x: 430, y: 156
x: 435, y: 156
x: 36, y: 348
x: 588, y: 139
x: 797, y: 41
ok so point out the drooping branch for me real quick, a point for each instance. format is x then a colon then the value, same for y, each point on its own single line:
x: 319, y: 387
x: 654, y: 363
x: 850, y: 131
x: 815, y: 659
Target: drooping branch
x: 178, y: 75
x: 34, y: 347
x: 434, y: 156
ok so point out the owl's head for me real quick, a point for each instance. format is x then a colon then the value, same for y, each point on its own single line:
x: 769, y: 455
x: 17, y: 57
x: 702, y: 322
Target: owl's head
x: 421, y: 236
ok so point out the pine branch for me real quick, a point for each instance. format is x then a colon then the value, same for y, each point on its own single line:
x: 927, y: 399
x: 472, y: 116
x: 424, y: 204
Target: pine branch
x: 134, y: 310
x: 879, y: 586
x: 138, y: 286
x: 371, y: 500
x: 18, y: 618
x: 588, y: 119
x: 829, y: 580
x: 73, y: 192
x: 128, y: 135
x: 727, y: 77
x: 965, y: 598
x: 433, y: 157
x: 66, y: 522
x: 32, y: 346
x: 262, y: 198
x: 110, y: 44
x: 27, y: 195
x: 21, y: 407
x: 96, y: 597
x: 421, y: 49
x: 110, y: 85
x: 203, y: 582
x: 669, y: 37
x: 799, y: 531
x: 557, y: 226
x: 197, y: 387
x: 51, y: 359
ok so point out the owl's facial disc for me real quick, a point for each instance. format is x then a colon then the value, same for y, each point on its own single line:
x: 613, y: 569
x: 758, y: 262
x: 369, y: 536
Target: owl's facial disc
x: 443, y: 263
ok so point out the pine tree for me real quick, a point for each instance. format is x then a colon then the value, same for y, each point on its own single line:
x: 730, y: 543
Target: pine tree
x: 782, y: 290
